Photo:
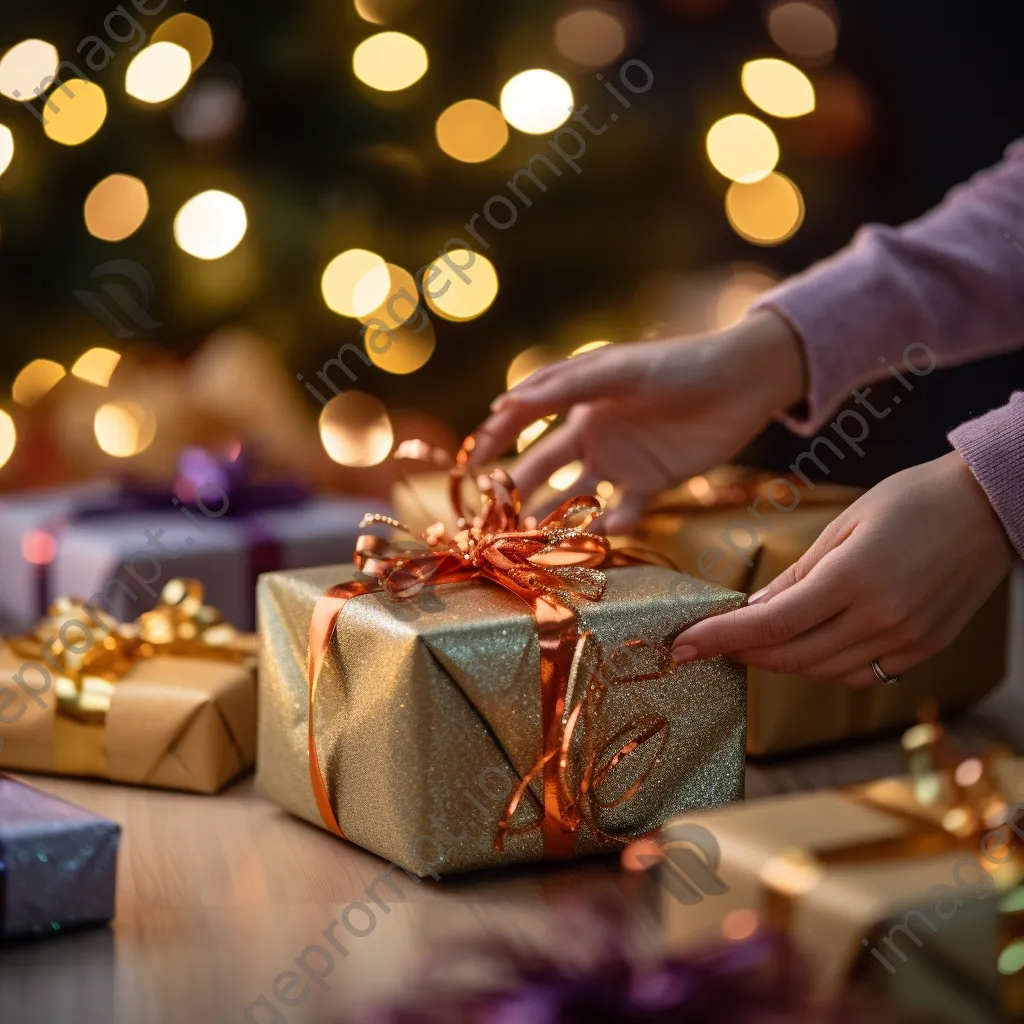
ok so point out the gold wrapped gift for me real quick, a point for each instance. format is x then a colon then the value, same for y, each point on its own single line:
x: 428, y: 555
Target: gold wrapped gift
x: 742, y: 529
x: 498, y: 696
x: 167, y: 701
x: 878, y: 890
x: 724, y: 528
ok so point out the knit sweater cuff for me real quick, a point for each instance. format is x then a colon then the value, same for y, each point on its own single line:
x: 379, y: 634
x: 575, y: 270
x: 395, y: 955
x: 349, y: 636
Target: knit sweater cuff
x: 993, y: 446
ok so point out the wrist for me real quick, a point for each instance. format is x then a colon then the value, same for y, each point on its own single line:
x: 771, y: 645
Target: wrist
x: 774, y: 353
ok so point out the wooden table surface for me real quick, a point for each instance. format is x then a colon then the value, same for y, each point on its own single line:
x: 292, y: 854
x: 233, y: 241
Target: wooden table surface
x: 217, y: 897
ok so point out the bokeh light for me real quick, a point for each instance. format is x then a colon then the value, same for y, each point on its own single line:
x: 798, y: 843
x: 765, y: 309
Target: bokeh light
x: 116, y: 207
x: 96, y: 366
x: 401, y: 300
x: 124, y: 429
x: 591, y: 37
x: 1011, y: 959
x: 471, y: 131
x: 389, y: 61
x: 740, y: 924
x: 211, y: 110
x: 190, y: 32
x: 75, y: 112
x: 381, y: 12
x: 158, y: 72
x: 210, y: 224
x: 767, y: 212
x: 8, y: 437
x: 6, y: 147
x: 465, y: 295
x: 356, y: 430
x: 35, y: 381
x: 735, y: 296
x: 403, y: 349
x: 804, y: 29
x: 527, y: 363
x: 536, y: 101
x: 589, y: 347
x: 25, y: 69
x: 531, y: 433
x: 565, y: 477
x: 841, y: 122
x: 778, y: 88
x: 742, y: 148
x: 355, y: 283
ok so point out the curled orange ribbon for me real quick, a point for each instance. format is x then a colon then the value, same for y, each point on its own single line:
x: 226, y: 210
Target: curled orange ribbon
x: 545, y: 564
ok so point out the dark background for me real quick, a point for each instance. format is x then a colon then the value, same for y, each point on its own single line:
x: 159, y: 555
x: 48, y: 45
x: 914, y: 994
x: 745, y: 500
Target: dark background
x: 323, y: 164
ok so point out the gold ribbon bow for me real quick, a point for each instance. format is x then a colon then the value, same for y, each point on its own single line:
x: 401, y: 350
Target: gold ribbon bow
x: 90, y: 650
x: 546, y: 564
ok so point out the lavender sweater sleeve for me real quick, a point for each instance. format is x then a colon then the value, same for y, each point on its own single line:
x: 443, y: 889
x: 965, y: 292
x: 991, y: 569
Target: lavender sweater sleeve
x: 945, y: 289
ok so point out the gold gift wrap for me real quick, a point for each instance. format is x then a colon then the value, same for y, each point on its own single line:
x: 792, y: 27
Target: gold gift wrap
x: 694, y: 525
x: 428, y: 716
x: 167, y: 702
x: 874, y: 894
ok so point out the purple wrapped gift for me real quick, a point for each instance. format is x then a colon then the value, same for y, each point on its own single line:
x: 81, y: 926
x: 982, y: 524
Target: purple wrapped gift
x: 58, y: 863
x: 118, y: 546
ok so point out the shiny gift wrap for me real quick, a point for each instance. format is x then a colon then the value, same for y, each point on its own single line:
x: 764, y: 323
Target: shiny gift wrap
x: 524, y: 656
x: 168, y: 701
x: 878, y: 890
x: 693, y: 526
x: 57, y: 863
x: 428, y: 714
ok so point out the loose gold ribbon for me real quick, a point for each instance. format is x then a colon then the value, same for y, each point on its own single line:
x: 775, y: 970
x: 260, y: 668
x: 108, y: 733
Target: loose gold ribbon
x: 545, y: 564
x: 91, y: 651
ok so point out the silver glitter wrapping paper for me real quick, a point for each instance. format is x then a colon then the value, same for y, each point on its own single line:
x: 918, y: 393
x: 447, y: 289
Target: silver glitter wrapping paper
x: 429, y: 712
x: 58, y: 863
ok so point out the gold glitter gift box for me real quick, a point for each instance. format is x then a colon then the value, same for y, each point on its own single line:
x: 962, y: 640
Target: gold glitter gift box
x: 428, y: 720
x: 705, y: 527
x: 892, y: 888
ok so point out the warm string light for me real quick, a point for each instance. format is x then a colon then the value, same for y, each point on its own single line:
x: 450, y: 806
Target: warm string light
x: 806, y: 29
x: 778, y: 88
x: 355, y: 283
x: 27, y: 68
x: 6, y: 147
x: 35, y: 381
x: 96, y: 366
x: 190, y: 32
x: 536, y: 101
x: 402, y: 349
x: 766, y: 212
x: 590, y: 37
x: 527, y: 363
x: 158, y: 72
x: 742, y: 148
x: 75, y: 112
x: 466, y: 294
x: 116, y: 207
x: 124, y: 429
x: 590, y: 346
x: 210, y: 225
x: 355, y: 430
x: 390, y: 61
x: 8, y: 437
x: 471, y: 131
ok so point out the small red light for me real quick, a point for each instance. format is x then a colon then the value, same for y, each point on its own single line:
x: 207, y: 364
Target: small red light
x: 38, y: 547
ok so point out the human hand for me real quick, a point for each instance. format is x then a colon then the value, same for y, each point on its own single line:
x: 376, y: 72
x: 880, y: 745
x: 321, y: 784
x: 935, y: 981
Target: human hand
x: 894, y: 579
x: 647, y: 415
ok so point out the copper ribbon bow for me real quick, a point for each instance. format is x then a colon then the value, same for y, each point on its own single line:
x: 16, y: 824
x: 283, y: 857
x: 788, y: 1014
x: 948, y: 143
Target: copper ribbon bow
x: 545, y: 564
x: 90, y: 650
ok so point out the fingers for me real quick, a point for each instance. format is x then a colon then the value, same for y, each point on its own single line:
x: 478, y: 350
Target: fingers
x: 806, y: 604
x: 827, y: 542
x: 551, y: 390
x: 625, y: 515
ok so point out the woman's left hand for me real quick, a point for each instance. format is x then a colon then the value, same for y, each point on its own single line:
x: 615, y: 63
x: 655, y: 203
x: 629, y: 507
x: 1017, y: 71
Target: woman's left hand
x: 894, y: 579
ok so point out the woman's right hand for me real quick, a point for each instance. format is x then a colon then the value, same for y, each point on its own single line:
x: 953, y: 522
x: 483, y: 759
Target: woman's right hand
x: 647, y: 415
